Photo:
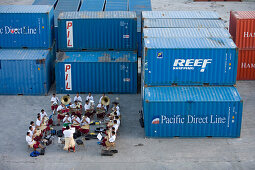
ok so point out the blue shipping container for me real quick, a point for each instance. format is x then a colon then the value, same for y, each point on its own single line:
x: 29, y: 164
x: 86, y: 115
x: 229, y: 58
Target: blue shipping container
x: 46, y: 2
x: 96, y: 72
x: 114, y: 30
x: 26, y: 26
x: 65, y: 6
x: 182, y: 23
x: 181, y: 14
x: 185, y: 32
x: 192, y: 112
x: 116, y: 5
x: 28, y: 72
x: 139, y: 5
x: 92, y: 5
x: 189, y: 61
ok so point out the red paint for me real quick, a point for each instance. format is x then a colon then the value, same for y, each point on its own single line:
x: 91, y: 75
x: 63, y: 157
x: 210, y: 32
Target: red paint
x: 246, y: 65
x: 242, y: 28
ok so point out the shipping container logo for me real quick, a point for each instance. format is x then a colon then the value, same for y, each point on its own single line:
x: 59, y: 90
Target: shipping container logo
x: 155, y: 120
x: 22, y: 30
x: 68, y: 77
x: 249, y: 34
x: 69, y: 33
x: 159, y: 55
x: 248, y: 65
x: 191, y: 64
x: 125, y: 36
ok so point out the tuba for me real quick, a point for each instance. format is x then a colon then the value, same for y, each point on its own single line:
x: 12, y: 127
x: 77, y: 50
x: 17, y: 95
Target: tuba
x: 65, y: 100
x: 105, y: 101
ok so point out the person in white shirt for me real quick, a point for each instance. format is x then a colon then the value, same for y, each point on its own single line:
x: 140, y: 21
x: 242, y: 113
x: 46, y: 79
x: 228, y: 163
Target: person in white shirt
x: 77, y: 98
x: 67, y: 119
x: 76, y: 121
x: 62, y: 110
x: 88, y: 110
x: 38, y: 122
x: 101, y: 107
x: 39, y: 125
x: 69, y: 141
x: 110, y: 142
x: 33, y: 133
x: 54, y: 103
x: 43, y: 114
x: 32, y: 143
x: 89, y: 97
x: 85, y: 125
x: 118, y: 120
x: 115, y: 125
x: 100, y: 100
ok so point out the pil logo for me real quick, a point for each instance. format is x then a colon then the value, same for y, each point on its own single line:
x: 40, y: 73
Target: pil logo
x: 155, y: 120
x: 159, y: 55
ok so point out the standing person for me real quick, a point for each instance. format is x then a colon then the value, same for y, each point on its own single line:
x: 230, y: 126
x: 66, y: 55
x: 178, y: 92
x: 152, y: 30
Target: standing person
x: 69, y: 141
x: 54, y: 103
x: 90, y: 97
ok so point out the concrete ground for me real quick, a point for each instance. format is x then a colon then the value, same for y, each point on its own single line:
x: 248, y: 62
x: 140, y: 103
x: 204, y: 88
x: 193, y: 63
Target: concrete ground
x: 135, y: 151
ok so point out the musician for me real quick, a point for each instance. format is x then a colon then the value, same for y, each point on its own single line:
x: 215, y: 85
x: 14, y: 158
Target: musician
x: 116, y: 107
x: 32, y: 123
x: 110, y: 141
x: 117, y: 118
x: 44, y: 116
x: 76, y: 108
x: 88, y: 110
x: 115, y: 125
x: 32, y: 143
x: 39, y: 125
x: 85, y: 125
x: 90, y: 97
x: 32, y: 132
x: 62, y: 110
x: 100, y: 100
x: 78, y: 98
x: 76, y: 122
x: 101, y: 107
x: 67, y: 119
x: 54, y: 103
x: 69, y: 141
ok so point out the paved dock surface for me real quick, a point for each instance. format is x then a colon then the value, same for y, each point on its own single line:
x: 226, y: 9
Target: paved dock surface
x: 135, y: 151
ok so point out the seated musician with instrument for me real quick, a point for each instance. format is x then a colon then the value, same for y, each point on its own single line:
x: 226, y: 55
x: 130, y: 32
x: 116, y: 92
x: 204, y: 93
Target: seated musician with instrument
x: 109, y: 141
x: 76, y: 121
x: 85, y: 125
x: 37, y: 135
x: 32, y: 143
x: 44, y: 116
x: 78, y: 99
x: 69, y: 141
x: 62, y: 110
x: 66, y: 121
x: 76, y: 108
x: 90, y: 97
x: 89, y: 111
x: 54, y: 103
x: 100, y: 111
x: 41, y: 125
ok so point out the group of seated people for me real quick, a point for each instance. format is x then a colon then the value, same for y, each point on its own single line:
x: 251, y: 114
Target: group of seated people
x: 112, y: 127
x: 38, y: 129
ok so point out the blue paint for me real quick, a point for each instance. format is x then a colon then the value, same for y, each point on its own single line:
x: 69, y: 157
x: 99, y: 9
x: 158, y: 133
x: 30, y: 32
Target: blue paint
x: 45, y: 2
x: 189, y: 61
x: 92, y: 5
x: 98, y: 72
x: 107, y: 30
x: 26, y: 26
x: 192, y: 112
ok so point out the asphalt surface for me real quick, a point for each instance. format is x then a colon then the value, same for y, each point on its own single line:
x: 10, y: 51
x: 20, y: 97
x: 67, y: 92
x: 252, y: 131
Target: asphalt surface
x: 135, y: 151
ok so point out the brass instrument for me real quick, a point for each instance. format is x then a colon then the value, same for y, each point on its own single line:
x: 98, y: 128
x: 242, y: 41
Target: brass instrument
x: 65, y: 100
x: 105, y: 101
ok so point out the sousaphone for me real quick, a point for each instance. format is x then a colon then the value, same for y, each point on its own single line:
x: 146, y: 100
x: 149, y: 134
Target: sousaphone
x: 65, y: 100
x: 105, y: 101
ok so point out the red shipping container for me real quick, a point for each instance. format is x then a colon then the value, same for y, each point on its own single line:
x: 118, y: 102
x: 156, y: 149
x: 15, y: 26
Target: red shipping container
x: 242, y: 28
x: 246, y: 64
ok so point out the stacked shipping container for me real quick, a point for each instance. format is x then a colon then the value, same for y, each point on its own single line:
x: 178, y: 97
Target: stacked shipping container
x: 174, y: 54
x: 97, y: 59
x: 26, y: 60
x: 242, y: 28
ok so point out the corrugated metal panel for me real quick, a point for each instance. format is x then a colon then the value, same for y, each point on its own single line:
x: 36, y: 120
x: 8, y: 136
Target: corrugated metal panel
x: 26, y: 26
x: 139, y: 5
x: 92, y: 5
x: 189, y: 61
x: 242, y: 28
x: 98, y: 31
x: 27, y: 72
x: 116, y: 5
x: 246, y: 64
x: 185, y: 32
x: 181, y: 14
x: 182, y: 23
x: 192, y: 112
x: 97, y: 72
x: 65, y: 6
x: 46, y: 2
